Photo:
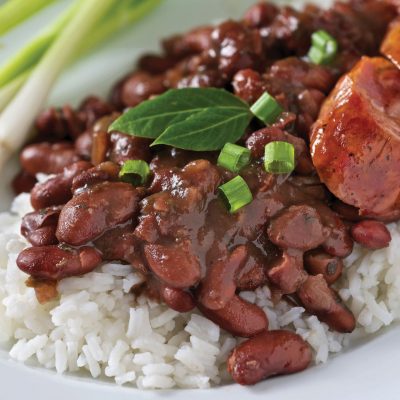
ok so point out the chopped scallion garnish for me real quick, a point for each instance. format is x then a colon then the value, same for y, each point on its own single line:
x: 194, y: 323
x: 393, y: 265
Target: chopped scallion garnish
x: 235, y: 193
x: 233, y: 157
x: 266, y: 108
x: 135, y: 172
x: 279, y: 157
x: 323, y: 48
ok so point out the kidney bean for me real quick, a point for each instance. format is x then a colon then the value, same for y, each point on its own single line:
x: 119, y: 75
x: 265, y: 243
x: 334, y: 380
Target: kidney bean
x: 261, y: 14
x: 318, y: 262
x: 175, y: 264
x: 155, y: 64
x: 201, y: 174
x: 195, y: 41
x: 59, y: 123
x: 317, y: 298
x: 338, y: 242
x: 253, y: 274
x: 267, y: 354
x: 177, y: 299
x: 89, y: 214
x: 47, y: 158
x: 346, y: 211
x: 57, y: 190
x: 83, y: 145
x: 39, y: 227
x: 238, y: 317
x: 147, y: 228
x: 23, y: 182
x: 248, y: 85
x: 288, y: 273
x: 127, y: 147
x: 201, y: 79
x: 139, y: 87
x: 257, y: 140
x: 58, y: 262
x: 312, y: 187
x: 219, y: 286
x: 121, y: 244
x: 310, y: 101
x: 236, y: 47
x: 92, y: 108
x: 371, y: 234
x: 103, y: 123
x: 297, y: 227
x: 106, y: 171
x: 100, y: 144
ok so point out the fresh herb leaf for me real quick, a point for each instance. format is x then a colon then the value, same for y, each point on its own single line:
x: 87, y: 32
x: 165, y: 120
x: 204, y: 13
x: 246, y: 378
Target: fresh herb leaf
x: 197, y: 119
x: 207, y: 130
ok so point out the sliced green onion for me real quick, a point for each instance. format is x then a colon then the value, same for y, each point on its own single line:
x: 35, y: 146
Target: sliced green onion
x: 279, y: 158
x: 266, y: 108
x: 235, y: 194
x: 135, y: 172
x: 233, y: 157
x: 323, y: 49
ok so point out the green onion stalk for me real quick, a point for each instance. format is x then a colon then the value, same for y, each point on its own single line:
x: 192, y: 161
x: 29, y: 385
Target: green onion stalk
x: 30, y: 75
x: 12, y: 13
x: 17, y: 119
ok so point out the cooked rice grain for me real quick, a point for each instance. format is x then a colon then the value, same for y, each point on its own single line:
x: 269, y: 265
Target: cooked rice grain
x: 97, y: 326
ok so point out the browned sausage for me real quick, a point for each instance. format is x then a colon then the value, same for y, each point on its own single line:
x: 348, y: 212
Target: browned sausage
x: 268, y: 354
x: 371, y: 234
x: 56, y: 262
x: 39, y: 227
x: 219, y: 285
x: 391, y: 44
x: 318, y: 262
x: 362, y: 170
x: 317, y: 298
x: 176, y: 264
x: 47, y: 158
x: 57, y: 190
x: 298, y: 227
x: 177, y: 299
x: 238, y: 317
x: 90, y: 213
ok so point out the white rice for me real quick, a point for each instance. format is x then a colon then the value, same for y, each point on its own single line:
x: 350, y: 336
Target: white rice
x: 97, y: 326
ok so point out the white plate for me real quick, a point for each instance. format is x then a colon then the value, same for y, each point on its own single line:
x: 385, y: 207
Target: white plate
x: 367, y: 371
